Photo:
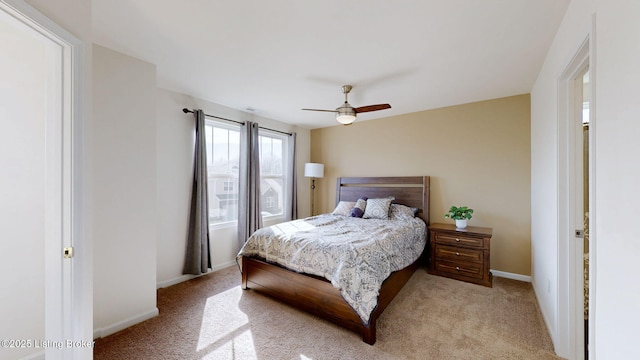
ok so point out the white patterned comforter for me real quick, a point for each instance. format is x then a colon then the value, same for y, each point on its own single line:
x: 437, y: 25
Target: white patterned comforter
x: 355, y: 254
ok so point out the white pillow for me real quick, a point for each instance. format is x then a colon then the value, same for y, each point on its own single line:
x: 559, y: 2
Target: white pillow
x: 343, y: 208
x: 378, y: 208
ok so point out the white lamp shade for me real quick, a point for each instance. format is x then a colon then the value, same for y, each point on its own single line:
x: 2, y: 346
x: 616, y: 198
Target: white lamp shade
x: 345, y: 119
x: 314, y: 170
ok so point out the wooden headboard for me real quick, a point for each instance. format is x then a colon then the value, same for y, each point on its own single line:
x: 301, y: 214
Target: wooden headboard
x: 412, y: 191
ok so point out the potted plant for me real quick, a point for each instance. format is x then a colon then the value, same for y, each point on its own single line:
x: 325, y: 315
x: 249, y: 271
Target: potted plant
x: 460, y: 215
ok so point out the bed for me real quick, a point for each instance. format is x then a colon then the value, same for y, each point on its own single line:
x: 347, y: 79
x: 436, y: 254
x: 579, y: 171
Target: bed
x: 314, y: 293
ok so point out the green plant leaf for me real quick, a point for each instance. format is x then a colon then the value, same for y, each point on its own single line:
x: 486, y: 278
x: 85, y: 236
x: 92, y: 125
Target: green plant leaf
x: 459, y: 213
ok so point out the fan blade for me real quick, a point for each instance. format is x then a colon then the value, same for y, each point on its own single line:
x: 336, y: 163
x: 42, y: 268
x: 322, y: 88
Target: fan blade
x: 376, y: 107
x: 320, y: 110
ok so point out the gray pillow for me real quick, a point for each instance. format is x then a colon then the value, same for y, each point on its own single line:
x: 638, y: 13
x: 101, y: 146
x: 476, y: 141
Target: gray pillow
x: 358, y: 209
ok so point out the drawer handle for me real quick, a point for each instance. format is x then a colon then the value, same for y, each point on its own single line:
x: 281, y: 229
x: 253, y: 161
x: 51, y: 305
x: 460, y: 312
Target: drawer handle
x: 457, y: 254
x: 458, y: 240
x: 458, y: 268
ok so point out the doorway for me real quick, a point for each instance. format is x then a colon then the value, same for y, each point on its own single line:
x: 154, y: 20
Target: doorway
x: 41, y: 188
x: 583, y: 206
x: 574, y: 211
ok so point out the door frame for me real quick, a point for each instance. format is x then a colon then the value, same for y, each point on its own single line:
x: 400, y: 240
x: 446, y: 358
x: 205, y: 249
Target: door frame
x: 68, y: 282
x: 570, y: 303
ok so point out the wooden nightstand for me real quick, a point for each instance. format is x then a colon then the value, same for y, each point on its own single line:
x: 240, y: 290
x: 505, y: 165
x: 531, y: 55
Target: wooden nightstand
x: 461, y: 254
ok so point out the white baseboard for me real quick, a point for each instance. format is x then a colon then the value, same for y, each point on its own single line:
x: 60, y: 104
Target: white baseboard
x: 111, y: 329
x: 512, y: 276
x: 547, y: 321
x: 224, y: 265
x: 179, y: 279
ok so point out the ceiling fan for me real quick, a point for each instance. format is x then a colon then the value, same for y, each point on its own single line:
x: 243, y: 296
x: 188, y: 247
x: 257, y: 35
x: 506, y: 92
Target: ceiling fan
x: 346, y: 114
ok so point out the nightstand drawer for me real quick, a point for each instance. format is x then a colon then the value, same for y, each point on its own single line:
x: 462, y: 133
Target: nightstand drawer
x: 459, y: 240
x: 472, y: 270
x: 458, y: 254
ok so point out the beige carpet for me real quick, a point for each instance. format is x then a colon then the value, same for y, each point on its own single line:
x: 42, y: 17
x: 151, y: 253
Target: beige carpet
x: 211, y: 317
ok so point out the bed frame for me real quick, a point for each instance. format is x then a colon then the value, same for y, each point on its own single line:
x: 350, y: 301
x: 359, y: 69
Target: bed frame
x: 316, y: 295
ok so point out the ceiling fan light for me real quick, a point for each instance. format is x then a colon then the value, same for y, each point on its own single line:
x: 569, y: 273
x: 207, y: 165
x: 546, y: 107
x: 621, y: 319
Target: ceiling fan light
x: 345, y: 119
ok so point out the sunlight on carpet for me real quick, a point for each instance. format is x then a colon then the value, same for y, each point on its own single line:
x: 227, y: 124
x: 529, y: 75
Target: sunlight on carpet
x: 211, y: 317
x: 225, y: 331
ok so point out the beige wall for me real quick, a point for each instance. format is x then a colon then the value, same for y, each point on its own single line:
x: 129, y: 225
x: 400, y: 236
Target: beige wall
x: 124, y: 190
x: 477, y: 154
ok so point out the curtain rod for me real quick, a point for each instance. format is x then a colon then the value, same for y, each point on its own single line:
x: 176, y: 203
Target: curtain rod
x: 185, y: 110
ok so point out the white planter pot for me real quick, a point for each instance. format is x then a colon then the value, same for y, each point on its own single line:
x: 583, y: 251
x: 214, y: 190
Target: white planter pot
x: 461, y: 224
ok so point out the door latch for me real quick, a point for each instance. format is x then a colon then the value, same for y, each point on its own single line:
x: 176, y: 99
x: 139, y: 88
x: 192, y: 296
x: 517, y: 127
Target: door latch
x: 579, y: 234
x: 68, y: 252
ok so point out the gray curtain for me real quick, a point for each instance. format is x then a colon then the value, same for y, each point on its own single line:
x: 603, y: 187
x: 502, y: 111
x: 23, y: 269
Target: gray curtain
x: 249, y: 210
x: 198, y: 259
x: 291, y: 211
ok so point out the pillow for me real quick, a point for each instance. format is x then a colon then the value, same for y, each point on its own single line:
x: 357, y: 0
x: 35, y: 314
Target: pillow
x: 402, y: 212
x: 378, y: 208
x: 343, y: 208
x: 358, y: 209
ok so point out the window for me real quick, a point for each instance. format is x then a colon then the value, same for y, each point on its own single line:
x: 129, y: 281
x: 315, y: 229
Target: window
x: 271, y: 201
x: 223, y: 164
x: 228, y: 186
x: 273, y: 165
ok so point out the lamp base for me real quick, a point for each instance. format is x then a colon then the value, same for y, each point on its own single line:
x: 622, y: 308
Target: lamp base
x: 313, y: 188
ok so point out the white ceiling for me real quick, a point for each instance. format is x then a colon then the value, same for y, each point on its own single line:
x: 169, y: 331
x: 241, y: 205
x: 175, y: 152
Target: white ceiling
x: 279, y: 56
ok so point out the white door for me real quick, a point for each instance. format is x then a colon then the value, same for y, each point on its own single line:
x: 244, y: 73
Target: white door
x: 575, y: 209
x: 40, y: 192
